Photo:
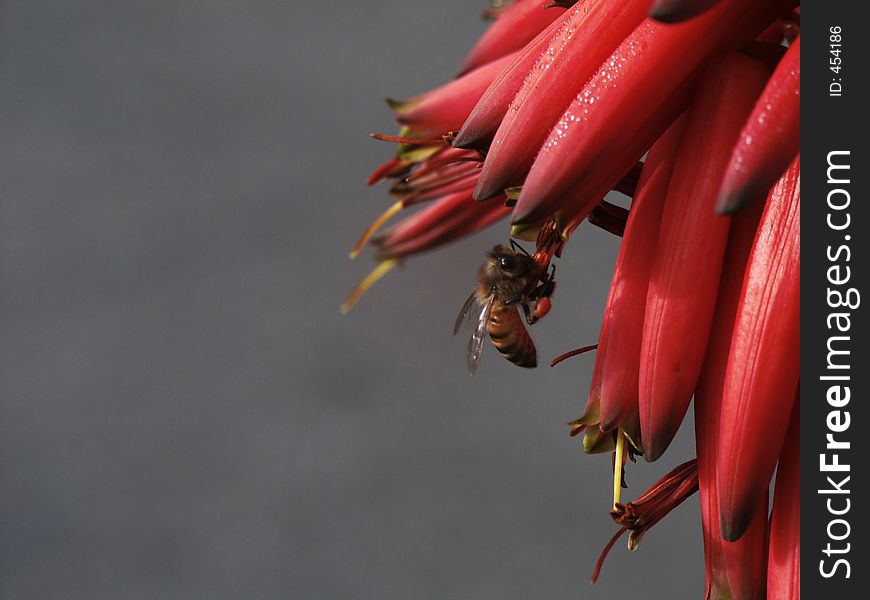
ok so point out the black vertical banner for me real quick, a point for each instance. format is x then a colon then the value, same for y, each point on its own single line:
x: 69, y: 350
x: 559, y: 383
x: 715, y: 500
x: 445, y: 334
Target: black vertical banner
x: 835, y: 260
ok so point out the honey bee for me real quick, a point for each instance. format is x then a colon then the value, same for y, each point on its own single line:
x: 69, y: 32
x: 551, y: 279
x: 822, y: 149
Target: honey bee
x: 509, y: 278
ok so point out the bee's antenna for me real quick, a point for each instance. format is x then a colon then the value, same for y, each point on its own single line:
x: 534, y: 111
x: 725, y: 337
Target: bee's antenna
x: 515, y: 245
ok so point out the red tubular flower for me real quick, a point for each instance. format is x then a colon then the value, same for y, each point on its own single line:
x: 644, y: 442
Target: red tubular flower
x: 584, y: 40
x: 446, y: 220
x: 481, y: 125
x: 632, y: 86
x: 445, y: 109
x: 451, y: 178
x: 762, y: 372
x: 652, y: 506
x: 440, y: 171
x: 515, y: 27
x: 684, y: 278
x: 784, y: 557
x: 770, y: 139
x: 734, y: 570
x: 616, y: 370
x: 557, y: 107
x: 610, y: 166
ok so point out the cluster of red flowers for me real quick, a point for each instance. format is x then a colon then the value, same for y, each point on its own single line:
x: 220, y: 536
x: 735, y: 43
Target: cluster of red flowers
x: 557, y: 104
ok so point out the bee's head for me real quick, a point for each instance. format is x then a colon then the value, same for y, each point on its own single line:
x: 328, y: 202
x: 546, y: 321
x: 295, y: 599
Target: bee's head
x: 510, y: 262
x: 506, y: 273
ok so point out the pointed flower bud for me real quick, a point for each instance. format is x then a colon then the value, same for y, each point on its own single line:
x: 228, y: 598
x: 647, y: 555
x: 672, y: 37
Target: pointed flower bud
x: 624, y: 311
x: 446, y: 108
x: 734, y: 570
x: 591, y: 33
x: 628, y: 91
x: 770, y: 138
x: 684, y: 279
x: 762, y: 373
x: 517, y: 25
x: 481, y: 125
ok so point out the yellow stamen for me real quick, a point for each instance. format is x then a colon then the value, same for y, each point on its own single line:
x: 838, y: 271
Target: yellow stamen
x: 617, y: 466
x: 379, y: 271
x: 373, y: 228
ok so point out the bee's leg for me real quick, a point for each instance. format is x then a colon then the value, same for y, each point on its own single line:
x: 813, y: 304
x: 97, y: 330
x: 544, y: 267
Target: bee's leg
x: 530, y: 319
x: 551, y: 279
x: 542, y: 294
x: 547, y: 286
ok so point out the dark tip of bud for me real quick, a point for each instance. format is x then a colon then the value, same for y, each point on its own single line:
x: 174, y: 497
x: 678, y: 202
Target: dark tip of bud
x: 735, y: 526
x: 460, y: 140
x: 654, y: 451
x: 676, y: 11
x: 733, y: 202
x: 485, y: 190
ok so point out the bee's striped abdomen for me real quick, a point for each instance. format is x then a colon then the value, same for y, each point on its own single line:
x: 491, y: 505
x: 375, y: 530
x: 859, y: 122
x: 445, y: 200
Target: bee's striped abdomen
x: 509, y: 336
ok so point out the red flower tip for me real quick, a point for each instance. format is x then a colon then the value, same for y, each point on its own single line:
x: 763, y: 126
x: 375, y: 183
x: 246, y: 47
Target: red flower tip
x: 559, y: 73
x: 770, y: 139
x: 482, y: 123
x: 629, y: 96
x: 394, y: 167
x: 514, y: 27
x: 447, y: 107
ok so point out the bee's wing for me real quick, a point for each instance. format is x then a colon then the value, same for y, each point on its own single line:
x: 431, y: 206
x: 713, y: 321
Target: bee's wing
x: 465, y: 312
x: 475, y: 344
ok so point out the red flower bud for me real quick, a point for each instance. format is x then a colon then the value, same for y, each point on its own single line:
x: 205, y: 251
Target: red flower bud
x: 734, y: 570
x: 764, y: 358
x: 628, y: 91
x: 516, y: 26
x: 770, y: 138
x: 481, y: 125
x: 684, y: 279
x: 577, y: 50
x: 617, y: 368
x: 444, y: 109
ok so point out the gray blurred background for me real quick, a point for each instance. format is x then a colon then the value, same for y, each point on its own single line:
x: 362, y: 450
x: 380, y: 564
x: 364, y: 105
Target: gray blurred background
x: 186, y: 415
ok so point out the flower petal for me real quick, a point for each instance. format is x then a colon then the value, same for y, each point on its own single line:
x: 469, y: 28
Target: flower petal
x: 628, y: 91
x: 481, y: 125
x: 628, y: 289
x: 770, y: 139
x: 762, y: 373
x: 518, y: 24
x: 445, y: 108
x: 733, y: 569
x: 583, y: 42
x: 685, y: 274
